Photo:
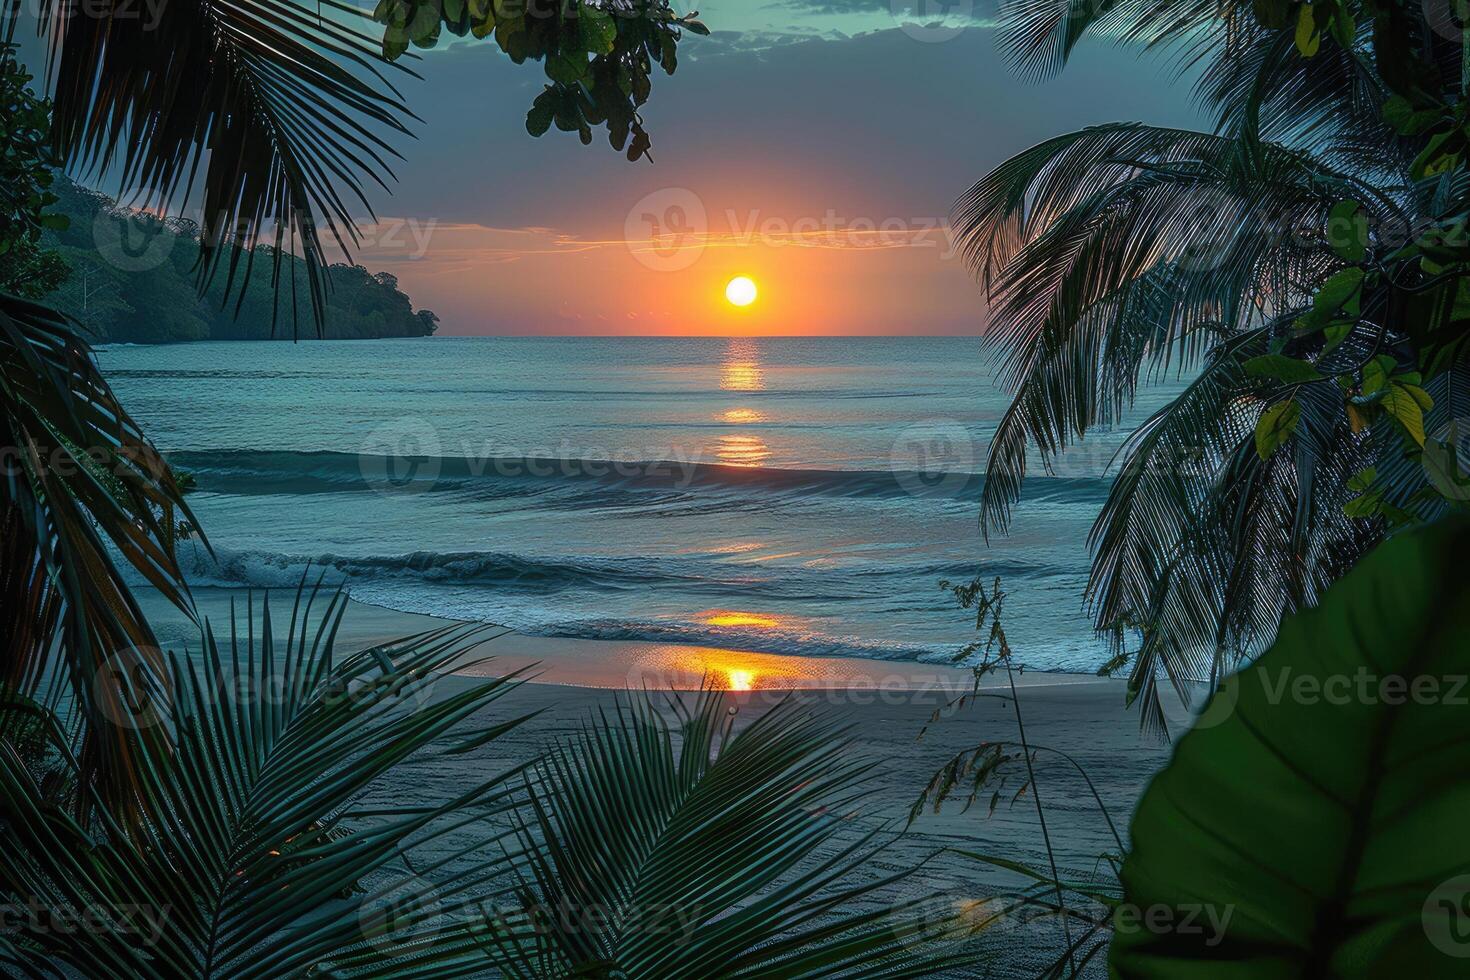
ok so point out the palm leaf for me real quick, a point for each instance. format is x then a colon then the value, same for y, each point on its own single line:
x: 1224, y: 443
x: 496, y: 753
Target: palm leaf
x: 716, y: 853
x: 249, y: 840
x: 1123, y: 252
x: 83, y: 487
x: 280, y: 109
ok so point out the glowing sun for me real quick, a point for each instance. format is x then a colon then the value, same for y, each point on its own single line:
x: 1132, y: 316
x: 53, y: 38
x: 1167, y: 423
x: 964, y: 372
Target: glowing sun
x: 741, y: 290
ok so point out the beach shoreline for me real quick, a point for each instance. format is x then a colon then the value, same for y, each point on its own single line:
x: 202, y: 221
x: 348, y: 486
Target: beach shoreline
x: 606, y: 664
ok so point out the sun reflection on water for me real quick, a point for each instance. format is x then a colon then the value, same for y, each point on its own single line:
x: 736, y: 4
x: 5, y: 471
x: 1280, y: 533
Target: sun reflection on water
x: 732, y: 617
x: 741, y: 370
x: 742, y: 450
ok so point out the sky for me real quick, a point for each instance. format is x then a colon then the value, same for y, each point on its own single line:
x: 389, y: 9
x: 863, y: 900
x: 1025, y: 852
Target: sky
x: 816, y: 146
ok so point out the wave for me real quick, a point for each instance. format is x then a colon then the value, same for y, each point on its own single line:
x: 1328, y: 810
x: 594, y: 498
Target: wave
x: 539, y: 598
x: 242, y: 471
x: 504, y: 572
x: 765, y: 639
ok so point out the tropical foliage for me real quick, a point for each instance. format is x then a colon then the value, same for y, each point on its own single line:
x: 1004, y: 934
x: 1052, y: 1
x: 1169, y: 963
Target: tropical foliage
x: 275, y: 115
x: 255, y: 854
x: 599, y: 57
x: 1079, y: 902
x: 82, y: 485
x: 699, y: 851
x: 245, y: 844
x: 1319, y: 801
x: 1304, y: 264
x: 26, y: 269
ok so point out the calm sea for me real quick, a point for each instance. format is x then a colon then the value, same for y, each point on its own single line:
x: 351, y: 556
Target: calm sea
x: 800, y: 496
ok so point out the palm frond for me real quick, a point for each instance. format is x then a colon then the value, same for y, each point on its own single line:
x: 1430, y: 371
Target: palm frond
x: 1039, y: 36
x: 280, y: 109
x: 250, y: 842
x: 1121, y: 251
x: 83, y: 488
x: 702, y: 851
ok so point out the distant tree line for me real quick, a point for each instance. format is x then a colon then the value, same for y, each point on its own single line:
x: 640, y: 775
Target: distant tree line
x: 129, y: 277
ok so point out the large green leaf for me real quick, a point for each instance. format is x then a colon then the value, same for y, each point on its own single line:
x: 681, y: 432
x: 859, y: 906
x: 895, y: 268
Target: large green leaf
x: 1320, y: 801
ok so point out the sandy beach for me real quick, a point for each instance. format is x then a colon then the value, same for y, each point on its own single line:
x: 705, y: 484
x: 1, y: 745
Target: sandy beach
x: 888, y: 705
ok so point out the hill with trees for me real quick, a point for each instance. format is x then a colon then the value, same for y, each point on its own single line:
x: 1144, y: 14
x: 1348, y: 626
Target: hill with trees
x: 131, y: 278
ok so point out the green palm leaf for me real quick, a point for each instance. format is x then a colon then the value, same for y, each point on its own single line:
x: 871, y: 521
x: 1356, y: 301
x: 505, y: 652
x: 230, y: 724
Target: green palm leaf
x: 1120, y: 253
x: 696, y: 850
x: 281, y: 110
x: 83, y: 487
x: 249, y: 839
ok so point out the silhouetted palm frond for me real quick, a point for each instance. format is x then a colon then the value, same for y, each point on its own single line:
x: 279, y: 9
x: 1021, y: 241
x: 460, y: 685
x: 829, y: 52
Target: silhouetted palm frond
x: 269, y: 115
x: 692, y: 851
x: 83, y: 488
x: 247, y: 860
x: 1119, y: 253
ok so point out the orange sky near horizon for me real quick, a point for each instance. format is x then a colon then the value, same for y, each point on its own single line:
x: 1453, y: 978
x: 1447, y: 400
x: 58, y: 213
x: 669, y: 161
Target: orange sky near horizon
x: 539, y: 281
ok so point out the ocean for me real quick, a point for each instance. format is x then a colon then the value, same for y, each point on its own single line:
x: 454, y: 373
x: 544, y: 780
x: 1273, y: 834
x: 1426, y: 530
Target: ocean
x: 797, y: 496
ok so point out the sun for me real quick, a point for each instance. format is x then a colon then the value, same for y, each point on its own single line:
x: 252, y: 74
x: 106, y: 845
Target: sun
x: 740, y: 291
